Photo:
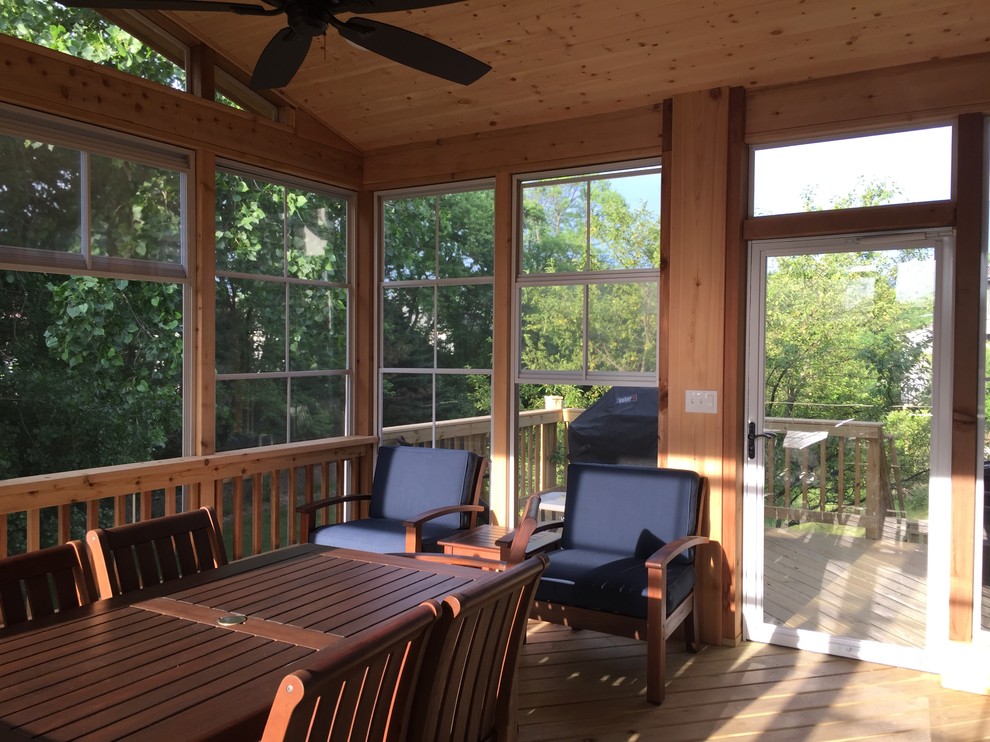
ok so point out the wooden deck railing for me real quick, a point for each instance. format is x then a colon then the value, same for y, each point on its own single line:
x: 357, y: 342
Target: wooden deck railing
x: 255, y: 492
x: 852, y: 479
x: 836, y: 472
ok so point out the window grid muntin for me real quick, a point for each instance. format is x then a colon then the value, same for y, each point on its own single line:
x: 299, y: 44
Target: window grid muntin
x: 385, y: 284
x: 285, y: 183
x: 585, y: 278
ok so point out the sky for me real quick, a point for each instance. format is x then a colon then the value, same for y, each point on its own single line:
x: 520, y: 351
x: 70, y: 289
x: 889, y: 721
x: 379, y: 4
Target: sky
x: 917, y: 162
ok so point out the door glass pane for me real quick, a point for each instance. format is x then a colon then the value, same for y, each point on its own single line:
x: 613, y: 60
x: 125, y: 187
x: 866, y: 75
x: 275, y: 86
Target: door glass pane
x: 847, y: 395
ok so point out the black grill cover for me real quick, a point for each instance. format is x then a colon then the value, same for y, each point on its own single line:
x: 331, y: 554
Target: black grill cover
x: 620, y: 428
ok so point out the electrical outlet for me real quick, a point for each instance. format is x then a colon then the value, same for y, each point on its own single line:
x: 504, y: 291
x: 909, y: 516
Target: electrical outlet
x: 702, y: 401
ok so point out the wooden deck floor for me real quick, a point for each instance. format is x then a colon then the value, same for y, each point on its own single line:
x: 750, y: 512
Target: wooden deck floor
x: 846, y: 586
x: 589, y: 687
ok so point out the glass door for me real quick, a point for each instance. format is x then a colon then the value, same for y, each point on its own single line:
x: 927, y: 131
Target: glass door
x: 843, y: 513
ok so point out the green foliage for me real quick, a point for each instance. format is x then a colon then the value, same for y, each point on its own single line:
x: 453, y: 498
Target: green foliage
x: 92, y: 372
x: 572, y: 227
x: 864, y: 193
x: 849, y: 337
x: 85, y: 34
x: 431, y: 325
x: 280, y: 254
x: 911, y: 431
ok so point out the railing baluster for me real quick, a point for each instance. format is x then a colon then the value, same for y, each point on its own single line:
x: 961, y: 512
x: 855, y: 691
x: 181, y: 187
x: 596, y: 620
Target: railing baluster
x: 822, y: 489
x: 64, y: 523
x: 33, y: 529
x: 120, y: 510
x: 310, y: 484
x: 291, y: 508
x: 275, y: 508
x: 238, y: 509
x: 858, y: 485
x: 257, y: 512
x: 339, y: 488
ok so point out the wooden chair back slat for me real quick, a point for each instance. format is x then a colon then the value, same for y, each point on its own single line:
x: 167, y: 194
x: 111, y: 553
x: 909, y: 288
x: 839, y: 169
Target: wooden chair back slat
x: 41, y: 583
x: 471, y: 660
x: 359, y: 689
x: 137, y: 555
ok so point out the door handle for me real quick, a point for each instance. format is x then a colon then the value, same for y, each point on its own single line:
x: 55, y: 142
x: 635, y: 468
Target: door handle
x: 751, y: 437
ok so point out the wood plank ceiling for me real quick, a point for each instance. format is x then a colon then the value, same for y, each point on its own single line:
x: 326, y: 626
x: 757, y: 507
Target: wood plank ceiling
x: 557, y: 60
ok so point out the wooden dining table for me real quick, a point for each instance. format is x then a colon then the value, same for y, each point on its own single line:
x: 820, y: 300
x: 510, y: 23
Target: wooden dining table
x: 200, y: 658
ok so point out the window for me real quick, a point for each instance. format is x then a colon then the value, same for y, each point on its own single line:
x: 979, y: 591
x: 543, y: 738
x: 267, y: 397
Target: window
x: 438, y: 260
x: 891, y: 168
x: 86, y: 34
x: 588, y: 278
x: 92, y: 237
x: 282, y: 302
x: 587, y: 290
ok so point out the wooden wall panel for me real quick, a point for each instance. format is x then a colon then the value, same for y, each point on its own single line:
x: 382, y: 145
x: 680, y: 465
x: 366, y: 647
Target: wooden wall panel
x: 55, y: 83
x: 895, y: 96
x: 609, y: 138
x: 699, y: 153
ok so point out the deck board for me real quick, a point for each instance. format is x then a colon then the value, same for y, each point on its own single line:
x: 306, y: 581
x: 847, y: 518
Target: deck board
x: 846, y: 586
x: 582, y: 685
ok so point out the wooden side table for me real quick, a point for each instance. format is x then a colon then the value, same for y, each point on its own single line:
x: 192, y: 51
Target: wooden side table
x: 493, y: 542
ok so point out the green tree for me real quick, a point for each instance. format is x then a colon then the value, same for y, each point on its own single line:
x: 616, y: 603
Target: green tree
x: 574, y: 227
x: 428, y: 239
x: 275, y: 246
x: 86, y: 34
x: 841, y: 343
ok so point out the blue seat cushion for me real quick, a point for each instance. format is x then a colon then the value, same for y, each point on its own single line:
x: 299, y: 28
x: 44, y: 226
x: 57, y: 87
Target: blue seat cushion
x: 378, y: 535
x: 603, y: 581
x: 409, y: 481
x: 629, y: 510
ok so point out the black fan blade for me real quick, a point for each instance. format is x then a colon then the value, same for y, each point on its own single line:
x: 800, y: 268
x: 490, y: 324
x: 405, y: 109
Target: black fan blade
x: 384, y: 6
x: 413, y: 50
x: 194, y: 5
x: 280, y: 60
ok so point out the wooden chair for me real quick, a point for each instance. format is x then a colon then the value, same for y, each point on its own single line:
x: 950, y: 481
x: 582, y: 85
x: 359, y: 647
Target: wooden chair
x: 360, y: 689
x: 626, y: 565
x: 418, y: 496
x: 467, y: 692
x: 137, y: 555
x: 42, y: 583
x: 513, y: 546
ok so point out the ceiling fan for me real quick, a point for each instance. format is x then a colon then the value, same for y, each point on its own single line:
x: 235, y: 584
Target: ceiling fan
x: 285, y: 53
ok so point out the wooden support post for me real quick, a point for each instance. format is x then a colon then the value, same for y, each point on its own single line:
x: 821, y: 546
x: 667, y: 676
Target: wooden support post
x: 698, y: 170
x: 969, y: 333
x: 502, y: 484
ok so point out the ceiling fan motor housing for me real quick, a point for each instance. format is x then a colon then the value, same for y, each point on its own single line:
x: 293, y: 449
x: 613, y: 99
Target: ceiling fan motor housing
x: 307, y: 18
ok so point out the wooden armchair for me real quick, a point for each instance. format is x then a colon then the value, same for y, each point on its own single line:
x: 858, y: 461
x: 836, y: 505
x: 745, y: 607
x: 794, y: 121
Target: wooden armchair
x: 626, y: 563
x: 466, y: 693
x: 41, y: 583
x: 418, y: 496
x: 515, y: 545
x: 137, y: 555
x: 360, y: 689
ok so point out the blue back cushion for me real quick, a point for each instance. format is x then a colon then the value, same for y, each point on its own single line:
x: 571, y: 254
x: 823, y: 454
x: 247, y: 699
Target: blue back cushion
x: 409, y: 481
x: 629, y: 511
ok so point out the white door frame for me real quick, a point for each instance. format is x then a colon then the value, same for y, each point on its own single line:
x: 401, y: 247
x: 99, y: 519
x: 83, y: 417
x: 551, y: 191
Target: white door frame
x: 937, y: 620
